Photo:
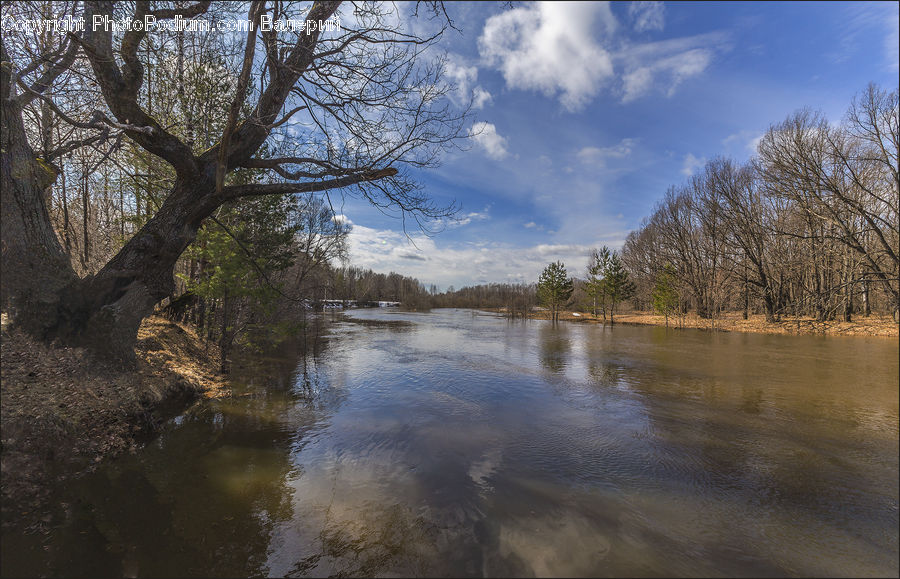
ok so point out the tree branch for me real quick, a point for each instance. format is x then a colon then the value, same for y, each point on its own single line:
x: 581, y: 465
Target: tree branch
x: 255, y: 189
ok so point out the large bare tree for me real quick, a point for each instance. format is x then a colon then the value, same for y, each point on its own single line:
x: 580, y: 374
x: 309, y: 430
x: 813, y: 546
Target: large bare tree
x: 352, y: 110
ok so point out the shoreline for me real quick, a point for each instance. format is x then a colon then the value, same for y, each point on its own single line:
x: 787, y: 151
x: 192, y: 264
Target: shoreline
x: 63, y: 414
x: 874, y: 326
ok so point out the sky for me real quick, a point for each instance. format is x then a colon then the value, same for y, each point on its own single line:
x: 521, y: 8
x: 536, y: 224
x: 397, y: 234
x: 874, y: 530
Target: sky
x: 585, y: 113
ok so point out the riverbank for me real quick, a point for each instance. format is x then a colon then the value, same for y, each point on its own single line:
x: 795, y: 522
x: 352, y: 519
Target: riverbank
x: 62, y: 413
x: 881, y: 326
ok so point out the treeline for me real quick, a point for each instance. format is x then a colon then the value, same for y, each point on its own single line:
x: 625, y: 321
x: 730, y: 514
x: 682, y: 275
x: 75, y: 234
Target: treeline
x: 353, y: 283
x: 516, y: 299
x: 808, y: 227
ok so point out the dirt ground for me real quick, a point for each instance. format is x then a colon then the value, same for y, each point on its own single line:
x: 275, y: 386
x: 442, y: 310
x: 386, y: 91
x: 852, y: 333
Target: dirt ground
x: 733, y: 322
x: 63, y: 413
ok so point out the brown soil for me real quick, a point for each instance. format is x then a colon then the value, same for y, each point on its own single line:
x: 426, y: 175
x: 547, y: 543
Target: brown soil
x: 62, y: 413
x: 733, y: 322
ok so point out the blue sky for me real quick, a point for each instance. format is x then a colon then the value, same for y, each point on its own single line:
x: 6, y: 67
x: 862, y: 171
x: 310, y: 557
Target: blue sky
x: 587, y: 112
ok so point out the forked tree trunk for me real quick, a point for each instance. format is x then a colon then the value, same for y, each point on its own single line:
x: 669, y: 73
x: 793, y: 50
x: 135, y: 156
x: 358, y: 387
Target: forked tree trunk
x: 39, y: 287
x: 104, y: 311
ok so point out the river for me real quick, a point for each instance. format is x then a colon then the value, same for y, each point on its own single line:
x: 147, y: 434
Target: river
x: 461, y: 443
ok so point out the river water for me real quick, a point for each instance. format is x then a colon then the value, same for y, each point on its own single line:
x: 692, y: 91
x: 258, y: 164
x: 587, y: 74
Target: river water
x: 463, y: 444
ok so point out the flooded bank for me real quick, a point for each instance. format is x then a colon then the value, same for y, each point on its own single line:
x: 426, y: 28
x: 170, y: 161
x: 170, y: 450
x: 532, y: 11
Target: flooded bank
x: 458, y: 443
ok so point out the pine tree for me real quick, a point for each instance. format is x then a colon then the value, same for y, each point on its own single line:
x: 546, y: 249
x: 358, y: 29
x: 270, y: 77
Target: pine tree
x: 617, y: 285
x: 596, y: 283
x: 555, y: 287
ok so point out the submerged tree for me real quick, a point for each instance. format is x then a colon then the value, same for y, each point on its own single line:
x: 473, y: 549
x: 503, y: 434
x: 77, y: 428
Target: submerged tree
x: 554, y: 288
x: 348, y: 108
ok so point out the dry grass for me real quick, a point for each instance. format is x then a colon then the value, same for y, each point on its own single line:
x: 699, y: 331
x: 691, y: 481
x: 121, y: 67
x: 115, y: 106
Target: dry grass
x: 874, y: 325
x: 756, y: 323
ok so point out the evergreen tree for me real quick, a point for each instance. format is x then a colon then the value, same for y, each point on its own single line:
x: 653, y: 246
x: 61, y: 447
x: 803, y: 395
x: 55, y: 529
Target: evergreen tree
x: 616, y: 283
x: 596, y: 283
x: 665, y: 295
x: 554, y: 287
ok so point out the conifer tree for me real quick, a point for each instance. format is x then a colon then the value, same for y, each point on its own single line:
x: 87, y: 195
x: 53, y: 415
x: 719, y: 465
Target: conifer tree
x: 555, y: 287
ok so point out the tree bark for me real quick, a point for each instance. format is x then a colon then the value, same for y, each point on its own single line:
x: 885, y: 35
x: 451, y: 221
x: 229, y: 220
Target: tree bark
x: 34, y: 266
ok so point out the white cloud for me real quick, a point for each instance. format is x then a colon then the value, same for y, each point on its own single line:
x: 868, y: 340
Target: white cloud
x: 458, y: 264
x: 480, y: 97
x: 891, y: 41
x: 462, y: 76
x: 341, y: 219
x: 486, y: 136
x: 691, y: 164
x: 665, y: 65
x: 647, y: 15
x: 598, y: 155
x: 550, y: 47
x: 865, y: 19
x: 636, y: 83
x: 557, y: 49
x: 468, y: 218
x: 530, y: 225
x: 750, y: 140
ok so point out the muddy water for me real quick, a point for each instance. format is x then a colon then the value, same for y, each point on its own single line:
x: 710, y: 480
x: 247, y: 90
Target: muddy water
x: 455, y: 443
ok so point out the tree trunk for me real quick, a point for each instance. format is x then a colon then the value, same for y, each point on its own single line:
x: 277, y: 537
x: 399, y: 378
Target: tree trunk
x: 104, y: 311
x: 848, y: 287
x: 746, y: 300
x: 867, y: 308
x: 85, y: 213
x: 65, y: 206
x: 33, y: 266
x: 769, y: 302
x: 39, y: 286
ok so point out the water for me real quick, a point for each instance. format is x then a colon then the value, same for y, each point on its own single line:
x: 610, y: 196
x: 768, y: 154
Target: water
x: 458, y: 443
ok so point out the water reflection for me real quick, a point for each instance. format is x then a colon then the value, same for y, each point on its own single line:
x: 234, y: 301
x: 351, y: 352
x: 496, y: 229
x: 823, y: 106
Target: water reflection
x: 454, y: 444
x: 555, y: 346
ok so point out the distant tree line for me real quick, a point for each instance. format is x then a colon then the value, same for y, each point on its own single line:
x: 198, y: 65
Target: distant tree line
x: 808, y: 227
x: 515, y: 299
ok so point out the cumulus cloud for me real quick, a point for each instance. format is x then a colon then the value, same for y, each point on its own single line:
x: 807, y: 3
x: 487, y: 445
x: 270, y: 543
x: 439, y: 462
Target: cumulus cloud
x: 560, y: 50
x: 550, y: 47
x: 691, y: 164
x: 487, y: 137
x: 647, y: 15
x: 463, y: 77
x: 409, y: 255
